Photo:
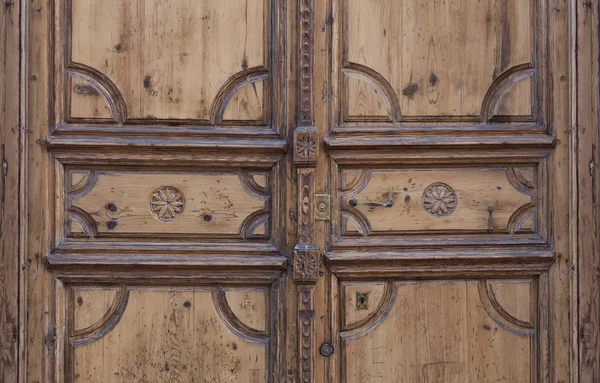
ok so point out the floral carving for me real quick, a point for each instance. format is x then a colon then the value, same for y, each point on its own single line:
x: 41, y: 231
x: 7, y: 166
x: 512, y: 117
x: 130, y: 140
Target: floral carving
x: 167, y: 203
x: 306, y: 263
x: 439, y: 200
x: 306, y: 146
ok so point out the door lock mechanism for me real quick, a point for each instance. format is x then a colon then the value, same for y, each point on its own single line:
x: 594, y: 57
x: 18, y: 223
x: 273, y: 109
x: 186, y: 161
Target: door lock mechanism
x: 323, y: 207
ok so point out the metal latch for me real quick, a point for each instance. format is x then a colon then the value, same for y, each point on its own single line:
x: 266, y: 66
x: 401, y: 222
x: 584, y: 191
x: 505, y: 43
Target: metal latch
x: 323, y: 207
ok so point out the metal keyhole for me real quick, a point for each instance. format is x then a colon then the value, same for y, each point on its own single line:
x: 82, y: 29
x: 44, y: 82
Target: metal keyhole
x: 362, y: 301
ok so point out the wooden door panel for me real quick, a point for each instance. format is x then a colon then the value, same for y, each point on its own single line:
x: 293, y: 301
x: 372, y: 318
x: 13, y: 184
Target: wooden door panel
x: 432, y: 66
x: 170, y: 61
x: 166, y: 333
x: 167, y: 128
x: 391, y: 201
x: 122, y: 203
x: 445, y: 145
x: 444, y: 331
x: 470, y: 198
x: 153, y: 65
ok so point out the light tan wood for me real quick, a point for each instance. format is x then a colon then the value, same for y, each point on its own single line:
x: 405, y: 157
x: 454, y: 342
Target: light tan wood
x: 449, y: 200
x: 169, y: 335
x: 439, y: 332
x: 300, y: 191
x: 111, y: 203
x: 438, y: 57
x: 169, y: 60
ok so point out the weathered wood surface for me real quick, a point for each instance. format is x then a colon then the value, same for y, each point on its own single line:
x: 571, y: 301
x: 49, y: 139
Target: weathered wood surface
x: 169, y: 174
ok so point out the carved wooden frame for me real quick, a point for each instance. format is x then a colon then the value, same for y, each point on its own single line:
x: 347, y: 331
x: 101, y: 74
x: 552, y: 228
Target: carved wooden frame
x: 440, y: 130
x: 63, y: 339
x: 273, y: 74
x: 473, y: 159
x: 537, y: 331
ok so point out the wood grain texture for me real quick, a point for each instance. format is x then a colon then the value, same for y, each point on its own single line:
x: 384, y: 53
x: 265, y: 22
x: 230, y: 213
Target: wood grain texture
x: 171, y: 335
x: 460, y: 342
x: 588, y: 187
x: 170, y: 60
x: 10, y: 189
x: 470, y: 273
x: 136, y: 203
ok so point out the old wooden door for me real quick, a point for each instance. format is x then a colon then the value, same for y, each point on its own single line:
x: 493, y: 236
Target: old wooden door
x: 303, y: 191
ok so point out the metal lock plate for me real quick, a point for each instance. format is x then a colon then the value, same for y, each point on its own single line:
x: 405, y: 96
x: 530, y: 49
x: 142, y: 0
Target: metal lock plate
x: 323, y: 207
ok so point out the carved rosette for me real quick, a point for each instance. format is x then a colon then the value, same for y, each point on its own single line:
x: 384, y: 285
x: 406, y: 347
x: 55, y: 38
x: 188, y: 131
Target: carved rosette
x: 167, y: 203
x: 306, y: 263
x: 306, y: 144
x: 439, y: 200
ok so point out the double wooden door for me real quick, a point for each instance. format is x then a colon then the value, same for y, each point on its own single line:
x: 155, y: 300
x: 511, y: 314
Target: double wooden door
x: 299, y: 191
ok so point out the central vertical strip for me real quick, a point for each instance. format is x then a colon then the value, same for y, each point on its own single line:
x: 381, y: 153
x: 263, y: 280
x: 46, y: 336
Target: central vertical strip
x: 306, y: 154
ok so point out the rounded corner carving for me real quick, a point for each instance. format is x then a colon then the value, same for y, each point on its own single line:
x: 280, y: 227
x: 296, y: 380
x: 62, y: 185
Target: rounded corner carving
x: 499, y: 315
x: 376, y: 318
x: 379, y: 83
x: 237, y: 327
x: 231, y: 87
x: 107, y: 323
x: 103, y: 84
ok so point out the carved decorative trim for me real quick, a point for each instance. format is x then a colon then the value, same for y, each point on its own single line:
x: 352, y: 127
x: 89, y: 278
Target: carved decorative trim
x: 82, y: 187
x: 103, y: 84
x: 379, y: 83
x: 519, y: 182
x: 167, y: 203
x: 519, y: 217
x: 306, y: 61
x: 231, y: 87
x: 439, y: 200
x: 253, y: 188
x: 306, y: 340
x: 252, y: 222
x: 500, y: 85
x: 85, y: 220
x: 360, y: 221
x: 306, y: 146
x: 305, y: 205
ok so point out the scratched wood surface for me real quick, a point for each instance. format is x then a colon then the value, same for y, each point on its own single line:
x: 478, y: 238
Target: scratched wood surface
x: 169, y: 336
x: 449, y: 200
x: 447, y: 335
x: 113, y: 203
x: 588, y: 187
x: 169, y: 60
x: 427, y: 58
x: 10, y: 191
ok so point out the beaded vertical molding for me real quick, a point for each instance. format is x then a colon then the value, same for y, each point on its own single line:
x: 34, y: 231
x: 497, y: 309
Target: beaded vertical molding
x: 306, y: 154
